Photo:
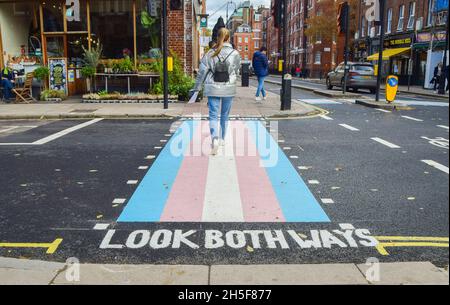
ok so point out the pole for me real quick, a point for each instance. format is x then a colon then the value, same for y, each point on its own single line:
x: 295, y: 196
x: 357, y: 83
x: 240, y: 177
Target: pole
x: 380, y: 55
x: 165, y: 55
x: 285, y: 96
x: 347, y: 34
x: 444, y: 68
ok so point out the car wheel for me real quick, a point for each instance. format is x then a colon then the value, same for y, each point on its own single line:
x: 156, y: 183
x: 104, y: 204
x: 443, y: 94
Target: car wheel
x: 329, y: 85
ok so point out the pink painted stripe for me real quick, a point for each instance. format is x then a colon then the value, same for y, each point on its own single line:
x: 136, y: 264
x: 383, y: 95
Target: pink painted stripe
x: 259, y: 201
x: 185, y: 202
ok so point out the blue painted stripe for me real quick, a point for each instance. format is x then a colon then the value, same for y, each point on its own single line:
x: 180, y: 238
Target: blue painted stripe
x: 296, y: 200
x: 148, y: 201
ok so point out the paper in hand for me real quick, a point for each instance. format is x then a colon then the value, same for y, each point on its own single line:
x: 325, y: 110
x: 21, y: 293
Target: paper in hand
x: 193, y: 98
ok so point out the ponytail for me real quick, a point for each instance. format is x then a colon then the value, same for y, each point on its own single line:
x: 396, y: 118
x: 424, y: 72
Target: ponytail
x: 224, y: 36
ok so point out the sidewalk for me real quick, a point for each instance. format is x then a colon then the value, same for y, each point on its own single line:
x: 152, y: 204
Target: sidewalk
x: 22, y: 272
x: 244, y: 106
x: 414, y: 90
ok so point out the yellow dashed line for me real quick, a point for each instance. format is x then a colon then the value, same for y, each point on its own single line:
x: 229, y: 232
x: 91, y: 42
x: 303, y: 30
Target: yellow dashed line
x: 409, y: 241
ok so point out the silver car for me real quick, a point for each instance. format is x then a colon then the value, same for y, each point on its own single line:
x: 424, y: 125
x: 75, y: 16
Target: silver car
x: 361, y: 76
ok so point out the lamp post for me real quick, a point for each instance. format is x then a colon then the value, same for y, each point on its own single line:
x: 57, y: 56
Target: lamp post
x: 444, y: 72
x: 165, y: 55
x: 380, y: 54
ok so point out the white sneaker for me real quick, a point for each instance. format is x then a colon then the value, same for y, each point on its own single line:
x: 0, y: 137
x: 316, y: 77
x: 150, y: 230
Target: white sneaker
x: 265, y: 98
x: 221, y: 142
x: 258, y: 99
x: 215, y: 147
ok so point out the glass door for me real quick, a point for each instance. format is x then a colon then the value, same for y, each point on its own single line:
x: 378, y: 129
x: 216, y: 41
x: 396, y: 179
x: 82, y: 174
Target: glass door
x: 55, y: 46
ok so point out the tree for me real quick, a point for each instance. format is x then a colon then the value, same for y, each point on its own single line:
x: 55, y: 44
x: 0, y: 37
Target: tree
x: 324, y: 24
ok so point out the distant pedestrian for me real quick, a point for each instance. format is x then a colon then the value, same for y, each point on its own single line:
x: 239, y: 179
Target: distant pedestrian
x: 261, y: 68
x: 218, y: 73
x: 298, y: 71
x: 438, y: 70
x: 7, y: 82
x: 219, y: 25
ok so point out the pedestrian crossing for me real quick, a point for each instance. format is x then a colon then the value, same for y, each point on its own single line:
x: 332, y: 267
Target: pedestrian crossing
x: 250, y: 180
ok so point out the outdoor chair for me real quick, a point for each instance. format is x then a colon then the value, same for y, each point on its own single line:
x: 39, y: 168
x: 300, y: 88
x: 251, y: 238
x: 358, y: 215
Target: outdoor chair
x: 23, y: 94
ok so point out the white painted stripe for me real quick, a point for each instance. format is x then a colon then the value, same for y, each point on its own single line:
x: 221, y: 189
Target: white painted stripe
x: 384, y: 142
x: 101, y: 226
x: 8, y: 129
x: 325, y: 117
x: 143, y: 167
x: 132, y: 182
x: 442, y: 126
x: 349, y: 127
x: 320, y: 101
x: 293, y: 157
x: 411, y: 118
x: 383, y: 110
x: 313, y: 182
x: 436, y: 165
x: 119, y: 201
x: 327, y: 201
x: 222, y: 201
x: 151, y: 157
x: 65, y: 132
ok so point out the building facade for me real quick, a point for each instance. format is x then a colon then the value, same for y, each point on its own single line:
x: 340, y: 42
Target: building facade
x: 414, y: 39
x: 33, y: 31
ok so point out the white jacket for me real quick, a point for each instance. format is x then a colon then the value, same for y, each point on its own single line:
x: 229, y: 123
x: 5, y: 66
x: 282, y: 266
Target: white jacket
x: 206, y: 73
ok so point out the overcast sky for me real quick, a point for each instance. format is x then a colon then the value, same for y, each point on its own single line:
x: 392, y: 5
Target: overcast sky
x: 213, y: 5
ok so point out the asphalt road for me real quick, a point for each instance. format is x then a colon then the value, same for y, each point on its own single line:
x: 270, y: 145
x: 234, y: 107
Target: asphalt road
x: 71, y: 190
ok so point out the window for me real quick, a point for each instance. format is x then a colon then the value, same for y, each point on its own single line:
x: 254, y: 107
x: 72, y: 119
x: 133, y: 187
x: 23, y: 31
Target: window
x: 363, y: 27
x: 318, y: 58
x: 401, y: 18
x: 240, y: 39
x: 148, y: 38
x: 389, y: 21
x: 246, y: 39
x: 412, y: 15
x: 430, y: 12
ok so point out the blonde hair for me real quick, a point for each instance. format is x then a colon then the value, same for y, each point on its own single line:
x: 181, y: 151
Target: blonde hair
x: 223, y: 36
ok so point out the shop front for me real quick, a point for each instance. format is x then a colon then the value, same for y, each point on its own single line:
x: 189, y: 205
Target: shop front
x: 35, y: 33
x: 397, y: 57
x: 428, y: 52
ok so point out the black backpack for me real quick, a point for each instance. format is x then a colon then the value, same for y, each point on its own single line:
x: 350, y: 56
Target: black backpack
x: 222, y: 70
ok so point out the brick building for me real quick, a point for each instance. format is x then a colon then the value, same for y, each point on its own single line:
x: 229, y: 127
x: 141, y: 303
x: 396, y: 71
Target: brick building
x: 243, y: 42
x: 414, y: 42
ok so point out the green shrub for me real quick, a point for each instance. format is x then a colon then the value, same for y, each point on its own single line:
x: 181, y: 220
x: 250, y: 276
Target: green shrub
x: 124, y: 66
x: 88, y: 71
x: 46, y: 94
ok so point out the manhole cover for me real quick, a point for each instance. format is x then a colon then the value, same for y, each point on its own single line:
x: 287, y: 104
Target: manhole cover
x: 83, y: 110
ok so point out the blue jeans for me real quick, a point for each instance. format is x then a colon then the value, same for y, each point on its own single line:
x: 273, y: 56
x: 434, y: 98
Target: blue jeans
x: 7, y: 87
x: 261, y: 88
x: 214, y: 104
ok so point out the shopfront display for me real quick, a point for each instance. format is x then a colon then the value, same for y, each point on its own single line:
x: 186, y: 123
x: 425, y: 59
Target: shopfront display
x: 33, y: 32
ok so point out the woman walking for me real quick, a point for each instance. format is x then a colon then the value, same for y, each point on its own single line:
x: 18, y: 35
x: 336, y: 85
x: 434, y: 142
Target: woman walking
x: 218, y: 72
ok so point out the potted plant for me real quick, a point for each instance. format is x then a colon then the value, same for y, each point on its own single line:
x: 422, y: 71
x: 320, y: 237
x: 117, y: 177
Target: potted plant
x: 88, y: 72
x: 42, y: 73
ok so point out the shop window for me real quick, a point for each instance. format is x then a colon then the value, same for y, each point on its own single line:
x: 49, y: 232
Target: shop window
x: 53, y: 16
x: 148, y: 29
x: 318, y: 58
x: 389, y: 21
x: 76, y: 16
x: 112, y: 25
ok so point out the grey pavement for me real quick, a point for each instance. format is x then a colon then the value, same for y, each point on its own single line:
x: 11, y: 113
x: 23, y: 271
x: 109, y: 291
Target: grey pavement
x: 20, y: 271
x: 244, y: 106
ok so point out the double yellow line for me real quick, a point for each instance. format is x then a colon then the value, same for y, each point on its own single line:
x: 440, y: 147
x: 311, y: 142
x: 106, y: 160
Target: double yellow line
x: 51, y: 247
x: 409, y: 241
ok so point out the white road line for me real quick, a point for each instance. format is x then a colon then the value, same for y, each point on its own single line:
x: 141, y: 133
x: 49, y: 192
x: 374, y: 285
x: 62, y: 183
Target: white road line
x: 327, y: 201
x: 349, y: 127
x: 132, y: 182
x: 325, y: 117
x: 101, y: 226
x: 222, y: 201
x: 313, y: 182
x: 8, y: 129
x: 384, y: 142
x: 293, y: 157
x: 143, y: 167
x: 304, y: 168
x: 119, y: 201
x: 65, y: 132
x: 411, y: 118
x: 436, y: 165
x: 383, y: 110
x: 151, y: 157
x: 442, y: 126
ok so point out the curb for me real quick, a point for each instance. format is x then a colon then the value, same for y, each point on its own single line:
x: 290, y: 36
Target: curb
x: 21, y: 272
x: 385, y: 106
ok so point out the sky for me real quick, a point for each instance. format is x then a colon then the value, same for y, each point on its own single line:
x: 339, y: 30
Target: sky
x: 213, y: 5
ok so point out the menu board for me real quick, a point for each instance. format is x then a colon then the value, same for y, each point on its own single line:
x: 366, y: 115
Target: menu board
x: 58, y: 74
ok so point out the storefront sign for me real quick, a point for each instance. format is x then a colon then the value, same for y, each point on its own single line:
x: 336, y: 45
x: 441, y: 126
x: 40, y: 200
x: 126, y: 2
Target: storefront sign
x: 71, y: 75
x: 58, y: 73
x: 426, y: 37
x: 398, y: 42
x: 203, y: 21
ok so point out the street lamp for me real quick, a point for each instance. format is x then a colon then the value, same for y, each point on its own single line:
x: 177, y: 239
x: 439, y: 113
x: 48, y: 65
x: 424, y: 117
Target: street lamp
x: 380, y: 54
x: 228, y: 5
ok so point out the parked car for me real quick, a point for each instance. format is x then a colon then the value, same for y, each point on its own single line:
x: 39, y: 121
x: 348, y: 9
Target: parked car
x: 361, y: 76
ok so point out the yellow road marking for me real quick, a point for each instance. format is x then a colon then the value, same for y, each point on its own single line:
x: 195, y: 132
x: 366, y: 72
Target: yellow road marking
x: 51, y: 247
x: 409, y: 241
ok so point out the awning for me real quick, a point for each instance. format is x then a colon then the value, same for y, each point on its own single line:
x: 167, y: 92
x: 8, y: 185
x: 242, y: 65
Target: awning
x: 388, y: 53
x: 426, y: 45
